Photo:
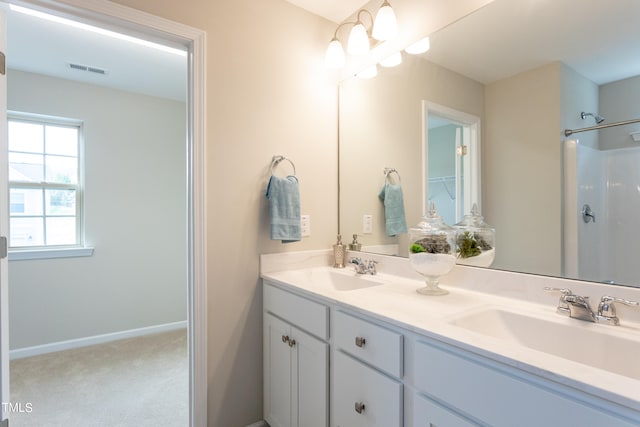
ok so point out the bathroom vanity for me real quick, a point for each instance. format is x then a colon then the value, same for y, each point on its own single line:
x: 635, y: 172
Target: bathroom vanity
x: 349, y: 350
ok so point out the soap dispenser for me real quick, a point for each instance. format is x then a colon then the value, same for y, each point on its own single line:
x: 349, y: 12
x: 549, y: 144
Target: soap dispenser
x: 339, y: 254
x: 355, y: 245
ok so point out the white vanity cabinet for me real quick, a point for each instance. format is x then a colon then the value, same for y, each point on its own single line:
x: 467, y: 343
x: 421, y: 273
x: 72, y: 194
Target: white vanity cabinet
x: 492, y: 394
x: 366, y: 373
x: 428, y: 413
x: 296, y: 363
x: 384, y: 373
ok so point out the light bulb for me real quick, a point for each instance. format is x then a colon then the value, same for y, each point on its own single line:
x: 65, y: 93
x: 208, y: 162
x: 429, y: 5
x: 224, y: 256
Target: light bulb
x: 385, y: 26
x: 368, y: 72
x: 392, y: 61
x: 334, y: 58
x: 358, y: 43
x: 421, y: 46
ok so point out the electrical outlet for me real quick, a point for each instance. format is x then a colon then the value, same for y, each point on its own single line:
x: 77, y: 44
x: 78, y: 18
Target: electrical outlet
x: 367, y: 224
x: 305, y: 225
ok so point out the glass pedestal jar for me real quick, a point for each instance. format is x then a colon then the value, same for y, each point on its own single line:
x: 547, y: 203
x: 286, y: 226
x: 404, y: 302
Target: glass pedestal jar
x: 432, y: 251
x: 475, y: 240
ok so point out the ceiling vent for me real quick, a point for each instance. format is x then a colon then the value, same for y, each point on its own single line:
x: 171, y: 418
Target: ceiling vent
x: 87, y: 68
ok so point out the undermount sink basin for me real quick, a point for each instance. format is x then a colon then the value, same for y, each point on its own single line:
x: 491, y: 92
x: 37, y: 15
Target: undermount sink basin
x: 335, y: 279
x: 342, y: 280
x: 599, y: 346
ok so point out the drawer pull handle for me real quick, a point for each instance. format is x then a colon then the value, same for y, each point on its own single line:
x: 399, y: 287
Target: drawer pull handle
x: 360, y: 342
x: 285, y: 338
x: 292, y: 343
x: 359, y: 407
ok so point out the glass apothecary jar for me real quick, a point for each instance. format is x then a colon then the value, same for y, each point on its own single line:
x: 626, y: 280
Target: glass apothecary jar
x: 475, y: 240
x: 432, y: 250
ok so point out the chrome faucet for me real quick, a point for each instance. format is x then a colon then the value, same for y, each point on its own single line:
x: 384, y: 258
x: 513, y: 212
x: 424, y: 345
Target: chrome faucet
x: 366, y: 266
x: 578, y: 307
x: 607, y: 311
x: 563, y: 306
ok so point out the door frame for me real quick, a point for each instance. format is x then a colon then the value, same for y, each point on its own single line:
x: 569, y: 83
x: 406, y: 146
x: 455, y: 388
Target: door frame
x: 472, y: 185
x: 4, y: 230
x: 103, y: 13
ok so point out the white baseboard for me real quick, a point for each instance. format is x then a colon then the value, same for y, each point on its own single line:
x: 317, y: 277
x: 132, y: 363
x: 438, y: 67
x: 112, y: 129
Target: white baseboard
x: 261, y: 423
x: 93, y: 340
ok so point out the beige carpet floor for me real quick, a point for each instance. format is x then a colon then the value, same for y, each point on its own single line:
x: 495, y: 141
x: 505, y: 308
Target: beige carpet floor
x: 134, y: 382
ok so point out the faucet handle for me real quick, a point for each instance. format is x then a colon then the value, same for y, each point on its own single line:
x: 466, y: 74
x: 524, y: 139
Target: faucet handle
x: 563, y: 306
x: 607, y: 310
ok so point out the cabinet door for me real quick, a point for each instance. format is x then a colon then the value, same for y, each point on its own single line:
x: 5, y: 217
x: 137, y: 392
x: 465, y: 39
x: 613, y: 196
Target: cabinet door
x: 427, y: 413
x: 362, y: 396
x: 310, y: 380
x: 277, y: 372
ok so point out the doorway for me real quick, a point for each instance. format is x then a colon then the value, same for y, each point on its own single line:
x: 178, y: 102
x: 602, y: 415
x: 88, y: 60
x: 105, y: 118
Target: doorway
x: 108, y: 14
x: 451, y: 161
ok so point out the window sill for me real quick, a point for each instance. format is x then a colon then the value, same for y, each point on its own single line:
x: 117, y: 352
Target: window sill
x: 50, y: 253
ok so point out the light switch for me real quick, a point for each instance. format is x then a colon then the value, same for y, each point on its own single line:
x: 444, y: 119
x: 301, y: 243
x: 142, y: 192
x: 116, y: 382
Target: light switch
x: 367, y: 224
x: 305, y: 225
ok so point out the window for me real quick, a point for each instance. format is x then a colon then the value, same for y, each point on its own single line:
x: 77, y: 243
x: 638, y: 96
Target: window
x: 45, y: 190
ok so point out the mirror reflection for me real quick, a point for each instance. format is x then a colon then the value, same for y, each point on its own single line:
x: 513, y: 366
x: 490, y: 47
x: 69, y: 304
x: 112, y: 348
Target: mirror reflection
x: 572, y: 65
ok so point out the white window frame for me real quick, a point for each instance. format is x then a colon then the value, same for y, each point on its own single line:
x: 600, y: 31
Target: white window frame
x: 54, y: 251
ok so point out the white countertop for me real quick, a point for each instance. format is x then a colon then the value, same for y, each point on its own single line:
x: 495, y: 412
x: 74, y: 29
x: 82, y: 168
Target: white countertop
x: 396, y: 302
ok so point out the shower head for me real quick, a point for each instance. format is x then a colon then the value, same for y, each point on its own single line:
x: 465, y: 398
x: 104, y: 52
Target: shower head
x: 597, y: 117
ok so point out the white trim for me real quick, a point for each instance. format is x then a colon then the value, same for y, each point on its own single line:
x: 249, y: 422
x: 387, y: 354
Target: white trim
x: 197, y: 233
x: 112, y: 15
x: 4, y: 231
x: 93, y: 340
x: 473, y: 163
x: 261, y: 423
x: 50, y: 253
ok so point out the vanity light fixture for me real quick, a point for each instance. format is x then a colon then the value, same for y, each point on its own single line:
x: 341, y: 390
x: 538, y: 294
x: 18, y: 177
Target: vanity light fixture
x: 358, y: 43
x: 384, y: 27
x: 421, y: 46
x: 392, y: 61
x: 368, y: 72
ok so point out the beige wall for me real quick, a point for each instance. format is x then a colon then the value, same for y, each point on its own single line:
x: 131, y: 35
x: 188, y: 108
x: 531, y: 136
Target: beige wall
x: 521, y: 158
x: 134, y: 163
x: 618, y: 102
x: 525, y: 116
x: 267, y: 93
x: 578, y: 94
x: 381, y: 125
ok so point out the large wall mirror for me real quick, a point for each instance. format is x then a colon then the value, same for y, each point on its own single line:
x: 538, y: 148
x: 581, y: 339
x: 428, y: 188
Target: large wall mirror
x: 527, y: 70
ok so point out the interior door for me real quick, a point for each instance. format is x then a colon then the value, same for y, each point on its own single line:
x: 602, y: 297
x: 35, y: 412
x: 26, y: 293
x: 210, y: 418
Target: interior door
x: 4, y: 223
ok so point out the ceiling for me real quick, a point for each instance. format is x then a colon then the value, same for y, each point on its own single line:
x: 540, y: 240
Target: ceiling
x: 599, y: 42
x: 333, y: 10
x: 507, y: 37
x: 44, y: 47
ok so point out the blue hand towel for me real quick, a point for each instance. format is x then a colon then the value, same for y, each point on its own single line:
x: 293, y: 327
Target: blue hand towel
x: 284, y: 207
x: 395, y: 222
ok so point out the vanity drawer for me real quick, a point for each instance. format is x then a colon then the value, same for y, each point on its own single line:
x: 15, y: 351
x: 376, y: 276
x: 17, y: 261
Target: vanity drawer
x: 302, y: 312
x: 428, y: 413
x: 371, y: 343
x: 364, y: 397
x: 498, y: 396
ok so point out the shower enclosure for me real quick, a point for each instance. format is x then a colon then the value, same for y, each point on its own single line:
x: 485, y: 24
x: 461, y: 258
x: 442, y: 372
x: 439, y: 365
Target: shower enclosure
x: 601, y: 213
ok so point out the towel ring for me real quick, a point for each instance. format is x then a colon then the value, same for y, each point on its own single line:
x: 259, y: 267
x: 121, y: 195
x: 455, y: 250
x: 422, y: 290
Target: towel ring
x: 275, y: 161
x: 389, y: 171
